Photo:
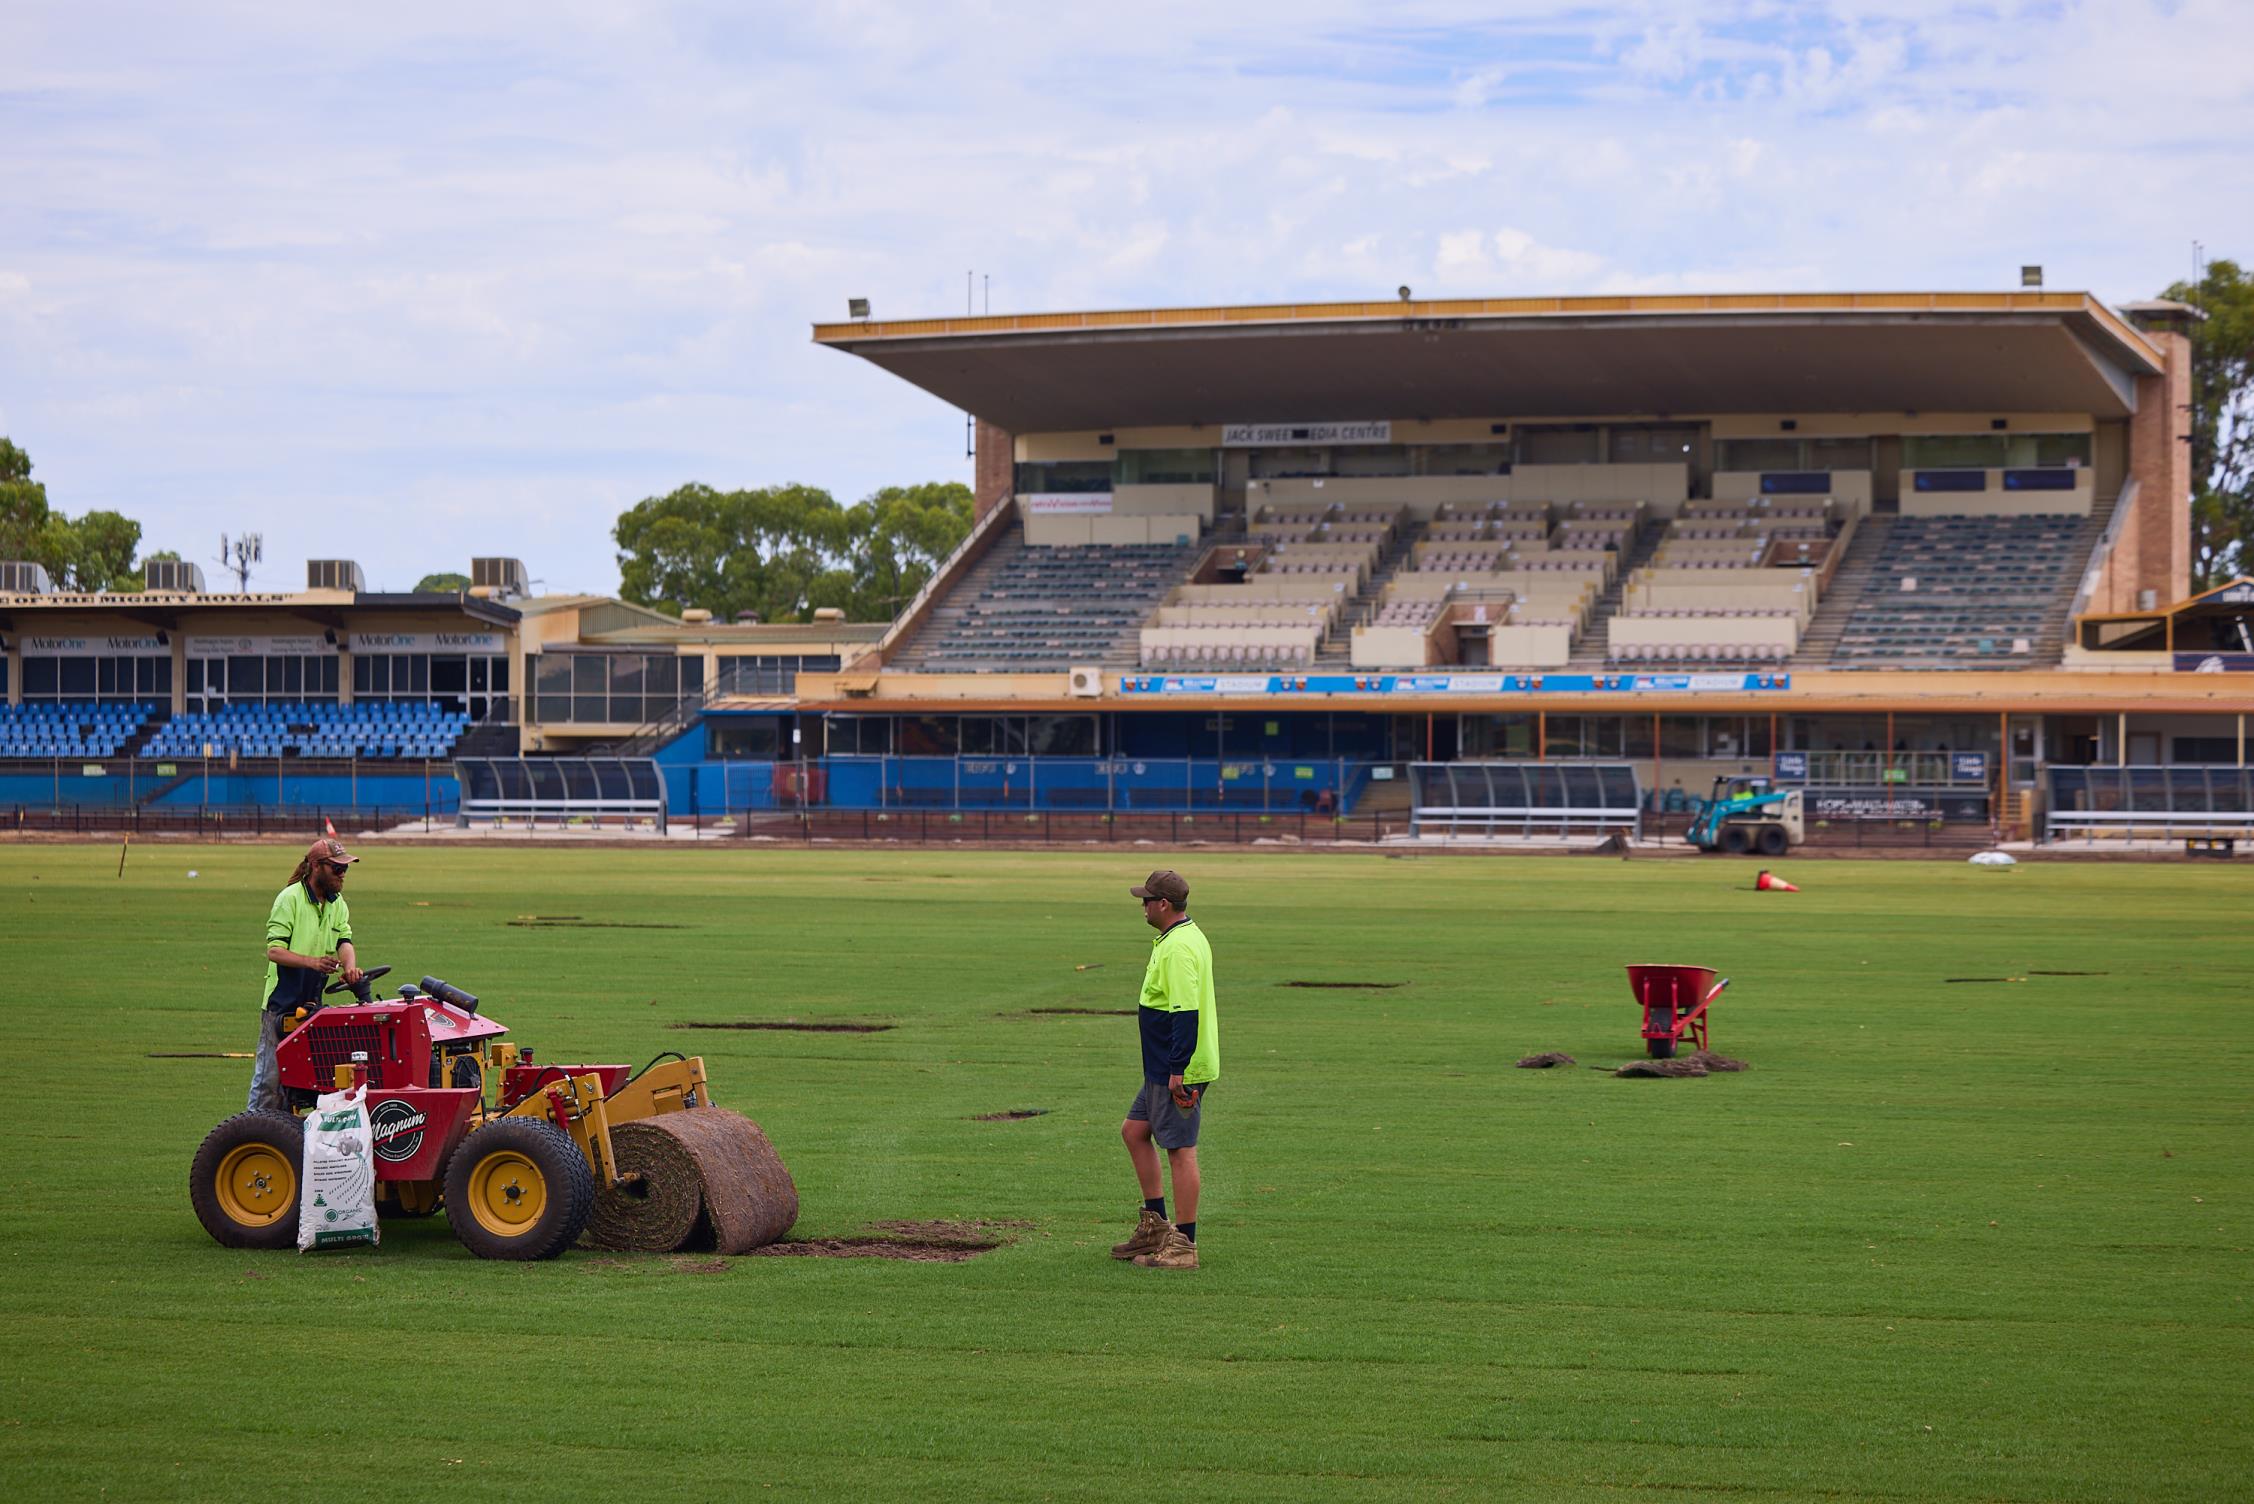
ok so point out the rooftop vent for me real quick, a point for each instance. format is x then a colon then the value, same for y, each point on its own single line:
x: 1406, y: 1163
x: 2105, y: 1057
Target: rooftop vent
x: 177, y: 576
x: 334, y: 574
x: 23, y: 579
x: 506, y: 576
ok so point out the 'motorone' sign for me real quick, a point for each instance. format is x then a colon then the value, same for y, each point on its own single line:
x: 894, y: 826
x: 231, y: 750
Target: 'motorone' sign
x: 1260, y: 435
x: 93, y: 647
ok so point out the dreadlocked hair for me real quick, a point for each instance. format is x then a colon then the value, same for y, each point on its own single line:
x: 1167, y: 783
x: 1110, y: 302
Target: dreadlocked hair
x: 303, y: 871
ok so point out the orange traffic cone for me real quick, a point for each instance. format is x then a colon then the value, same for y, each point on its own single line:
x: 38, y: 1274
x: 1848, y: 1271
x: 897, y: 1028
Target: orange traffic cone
x: 1767, y: 884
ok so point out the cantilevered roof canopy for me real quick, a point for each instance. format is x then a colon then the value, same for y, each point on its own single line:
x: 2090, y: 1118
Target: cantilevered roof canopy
x: 1520, y: 357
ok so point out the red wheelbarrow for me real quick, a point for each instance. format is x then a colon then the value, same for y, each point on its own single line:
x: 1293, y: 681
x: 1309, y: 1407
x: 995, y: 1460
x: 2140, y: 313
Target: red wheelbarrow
x: 1674, y: 1000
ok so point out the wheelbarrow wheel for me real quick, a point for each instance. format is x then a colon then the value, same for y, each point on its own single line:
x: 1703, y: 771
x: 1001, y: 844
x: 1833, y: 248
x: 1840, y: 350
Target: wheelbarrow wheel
x: 1660, y: 1049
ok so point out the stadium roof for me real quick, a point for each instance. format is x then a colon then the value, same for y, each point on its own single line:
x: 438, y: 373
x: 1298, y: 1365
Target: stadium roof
x: 1672, y: 355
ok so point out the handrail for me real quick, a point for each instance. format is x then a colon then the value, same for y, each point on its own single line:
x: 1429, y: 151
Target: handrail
x: 2094, y: 566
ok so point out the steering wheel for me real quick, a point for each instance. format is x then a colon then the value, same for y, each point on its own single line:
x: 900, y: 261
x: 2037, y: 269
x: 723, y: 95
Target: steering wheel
x: 358, y: 989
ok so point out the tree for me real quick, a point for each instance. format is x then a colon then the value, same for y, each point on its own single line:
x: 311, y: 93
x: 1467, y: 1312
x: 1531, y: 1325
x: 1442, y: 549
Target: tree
x: 761, y: 550
x: 900, y: 534
x: 2222, y: 422
x: 787, y: 551
x: 93, y: 553
x: 433, y: 584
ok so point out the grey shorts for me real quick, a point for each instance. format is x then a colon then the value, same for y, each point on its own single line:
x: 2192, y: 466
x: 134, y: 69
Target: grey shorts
x: 1169, y: 1125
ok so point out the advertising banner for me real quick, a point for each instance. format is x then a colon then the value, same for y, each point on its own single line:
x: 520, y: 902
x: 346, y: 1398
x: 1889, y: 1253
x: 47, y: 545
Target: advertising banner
x: 1269, y: 435
x: 428, y: 642
x: 1066, y: 503
x: 256, y: 647
x: 94, y: 647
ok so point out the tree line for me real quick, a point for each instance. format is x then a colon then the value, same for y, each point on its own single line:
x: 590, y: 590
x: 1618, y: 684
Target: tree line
x: 785, y: 552
x: 2222, y: 423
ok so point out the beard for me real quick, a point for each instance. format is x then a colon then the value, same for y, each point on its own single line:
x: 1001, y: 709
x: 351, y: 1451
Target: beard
x: 326, y: 886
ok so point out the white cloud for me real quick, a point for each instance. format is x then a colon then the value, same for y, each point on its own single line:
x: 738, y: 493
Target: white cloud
x: 451, y: 279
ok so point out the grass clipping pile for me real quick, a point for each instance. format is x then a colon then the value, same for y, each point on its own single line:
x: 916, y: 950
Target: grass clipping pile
x: 704, y: 1179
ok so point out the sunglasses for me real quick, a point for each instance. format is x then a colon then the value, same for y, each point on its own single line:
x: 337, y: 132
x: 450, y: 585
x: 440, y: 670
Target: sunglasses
x: 337, y: 867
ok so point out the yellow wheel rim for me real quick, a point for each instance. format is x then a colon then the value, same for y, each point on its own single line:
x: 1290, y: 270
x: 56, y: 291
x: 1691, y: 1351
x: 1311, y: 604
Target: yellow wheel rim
x: 507, y: 1193
x: 257, y: 1185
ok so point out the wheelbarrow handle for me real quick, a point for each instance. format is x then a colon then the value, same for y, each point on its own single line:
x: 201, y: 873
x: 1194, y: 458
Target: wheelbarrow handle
x: 1717, y: 992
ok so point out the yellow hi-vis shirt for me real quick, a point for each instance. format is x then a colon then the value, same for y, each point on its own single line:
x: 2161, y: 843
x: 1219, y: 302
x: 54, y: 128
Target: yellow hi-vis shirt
x: 297, y: 923
x: 1179, y: 979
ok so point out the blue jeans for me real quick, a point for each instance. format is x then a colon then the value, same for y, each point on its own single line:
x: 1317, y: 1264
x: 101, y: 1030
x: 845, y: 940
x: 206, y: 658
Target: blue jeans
x: 265, y: 1076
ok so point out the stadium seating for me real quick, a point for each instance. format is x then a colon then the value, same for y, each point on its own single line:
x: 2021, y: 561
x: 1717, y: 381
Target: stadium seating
x: 289, y: 729
x: 45, y: 729
x: 1958, y: 591
x: 1051, y: 607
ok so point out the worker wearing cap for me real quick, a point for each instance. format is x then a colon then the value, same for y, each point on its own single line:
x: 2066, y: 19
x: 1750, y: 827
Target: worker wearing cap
x: 308, y: 940
x: 1181, y: 1044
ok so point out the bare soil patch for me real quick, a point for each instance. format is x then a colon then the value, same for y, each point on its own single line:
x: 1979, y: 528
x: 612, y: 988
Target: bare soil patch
x: 1088, y: 1012
x: 1545, y: 1061
x: 943, y: 1242
x: 1012, y: 1115
x: 574, y: 922
x: 1661, y: 1068
x: 1714, y: 1062
x: 787, y: 1025
x: 1347, y: 986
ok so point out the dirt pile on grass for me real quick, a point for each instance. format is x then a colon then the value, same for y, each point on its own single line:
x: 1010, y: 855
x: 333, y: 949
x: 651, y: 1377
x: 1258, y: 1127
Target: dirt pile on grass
x: 1544, y: 1062
x: 1714, y: 1062
x: 1664, y: 1069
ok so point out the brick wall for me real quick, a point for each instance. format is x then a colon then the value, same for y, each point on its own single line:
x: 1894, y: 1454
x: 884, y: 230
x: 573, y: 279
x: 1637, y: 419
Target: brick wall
x: 994, y: 475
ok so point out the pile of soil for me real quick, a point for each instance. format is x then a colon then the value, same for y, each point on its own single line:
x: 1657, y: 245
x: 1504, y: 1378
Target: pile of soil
x: 1714, y: 1062
x: 1544, y: 1062
x: 1012, y: 1115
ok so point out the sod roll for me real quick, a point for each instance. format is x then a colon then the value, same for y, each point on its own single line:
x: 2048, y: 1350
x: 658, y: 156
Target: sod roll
x: 707, y: 1177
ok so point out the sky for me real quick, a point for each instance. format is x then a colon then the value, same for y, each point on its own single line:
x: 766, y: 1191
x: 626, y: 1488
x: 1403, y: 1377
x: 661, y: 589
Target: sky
x: 416, y: 282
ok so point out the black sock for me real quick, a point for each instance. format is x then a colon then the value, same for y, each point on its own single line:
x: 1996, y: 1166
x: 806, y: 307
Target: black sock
x: 1188, y: 1230
x: 1156, y: 1205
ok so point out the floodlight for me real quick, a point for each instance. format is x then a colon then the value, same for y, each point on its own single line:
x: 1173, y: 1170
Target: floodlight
x: 857, y: 308
x: 2030, y: 276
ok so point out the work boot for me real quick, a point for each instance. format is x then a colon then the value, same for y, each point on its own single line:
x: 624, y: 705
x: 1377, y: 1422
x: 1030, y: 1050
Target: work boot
x: 1149, y: 1236
x: 1177, y: 1252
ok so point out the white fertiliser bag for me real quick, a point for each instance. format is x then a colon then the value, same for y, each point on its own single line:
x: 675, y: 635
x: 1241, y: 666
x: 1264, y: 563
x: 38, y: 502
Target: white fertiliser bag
x: 336, y: 1205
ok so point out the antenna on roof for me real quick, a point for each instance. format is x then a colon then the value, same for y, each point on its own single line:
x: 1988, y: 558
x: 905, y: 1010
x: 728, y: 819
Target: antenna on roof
x: 238, y: 556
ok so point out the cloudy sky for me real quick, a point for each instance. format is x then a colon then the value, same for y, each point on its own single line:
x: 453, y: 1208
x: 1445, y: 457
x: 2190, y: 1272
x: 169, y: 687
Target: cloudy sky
x: 414, y: 282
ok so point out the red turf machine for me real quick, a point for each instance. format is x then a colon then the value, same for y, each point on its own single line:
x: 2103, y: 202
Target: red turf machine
x: 1674, y: 1000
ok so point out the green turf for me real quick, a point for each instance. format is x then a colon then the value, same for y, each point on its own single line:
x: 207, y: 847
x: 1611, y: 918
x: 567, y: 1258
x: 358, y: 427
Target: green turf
x: 1950, y: 1241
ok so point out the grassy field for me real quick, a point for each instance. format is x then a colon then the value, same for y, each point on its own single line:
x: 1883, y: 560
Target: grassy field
x: 1971, y: 1240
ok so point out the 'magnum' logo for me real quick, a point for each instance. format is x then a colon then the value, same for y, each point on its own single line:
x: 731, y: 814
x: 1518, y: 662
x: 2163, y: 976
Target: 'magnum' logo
x: 398, y: 1129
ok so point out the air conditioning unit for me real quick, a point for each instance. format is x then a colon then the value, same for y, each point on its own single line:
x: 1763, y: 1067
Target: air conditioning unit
x: 23, y: 579
x: 334, y: 574
x: 505, y: 576
x: 1087, y: 683
x: 177, y: 576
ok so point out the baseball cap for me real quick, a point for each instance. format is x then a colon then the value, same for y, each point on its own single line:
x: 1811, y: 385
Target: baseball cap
x: 1165, y: 883
x: 328, y: 849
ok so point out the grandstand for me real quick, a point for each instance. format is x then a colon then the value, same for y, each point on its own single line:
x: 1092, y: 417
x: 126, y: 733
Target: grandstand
x: 1924, y: 555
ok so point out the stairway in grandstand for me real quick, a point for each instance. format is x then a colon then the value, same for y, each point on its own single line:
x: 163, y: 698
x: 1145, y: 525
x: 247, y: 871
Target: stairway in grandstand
x: 2050, y: 646
x: 1336, y: 655
x: 1844, y: 593
x: 1594, y: 649
x: 1025, y: 609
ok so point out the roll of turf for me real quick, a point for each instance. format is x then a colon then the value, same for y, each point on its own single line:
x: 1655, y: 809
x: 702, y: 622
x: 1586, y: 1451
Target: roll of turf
x: 705, y: 1178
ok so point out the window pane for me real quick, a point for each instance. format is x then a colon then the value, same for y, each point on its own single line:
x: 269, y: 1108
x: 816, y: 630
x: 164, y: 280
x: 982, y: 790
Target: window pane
x: 588, y: 675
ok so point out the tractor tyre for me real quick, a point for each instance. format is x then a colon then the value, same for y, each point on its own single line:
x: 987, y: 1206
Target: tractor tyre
x: 244, y: 1181
x: 518, y: 1189
x: 1660, y: 1049
x: 1736, y: 840
x: 1773, y: 840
